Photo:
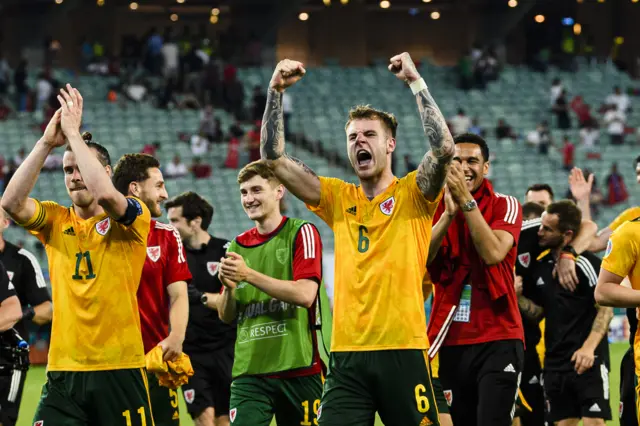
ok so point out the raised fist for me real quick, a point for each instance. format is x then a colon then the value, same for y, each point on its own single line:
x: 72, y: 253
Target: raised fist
x: 286, y: 74
x: 403, y: 67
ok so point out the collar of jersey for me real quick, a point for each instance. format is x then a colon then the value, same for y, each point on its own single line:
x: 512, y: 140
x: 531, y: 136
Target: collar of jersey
x: 363, y: 196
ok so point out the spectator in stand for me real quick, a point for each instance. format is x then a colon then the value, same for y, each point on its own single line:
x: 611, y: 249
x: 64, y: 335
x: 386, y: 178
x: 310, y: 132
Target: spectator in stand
x: 154, y: 51
x: 199, y: 144
x: 617, y: 190
x: 10, y: 170
x: 199, y: 169
x: 233, y: 93
x: 619, y: 99
x: 208, y: 123
x: 460, y: 123
x: 233, y: 154
x: 20, y: 83
x: 582, y: 111
x: 43, y: 92
x: 253, y: 142
x: 170, y: 56
x: 176, y: 168
x: 589, y: 139
x: 258, y: 103
x: 561, y: 110
x: 19, y: 157
x: 568, y: 151
x: 475, y: 128
x: 615, y: 122
x: 212, y: 85
x: 556, y: 89
x: 5, y: 75
x: 151, y: 148
x: 236, y: 131
x: 5, y: 109
x: 504, y: 131
x: 53, y: 162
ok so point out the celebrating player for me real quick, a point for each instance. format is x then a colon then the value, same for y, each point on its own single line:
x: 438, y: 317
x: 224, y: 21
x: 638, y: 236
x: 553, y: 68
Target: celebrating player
x: 162, y: 295
x: 96, y: 250
x: 576, y: 362
x: 382, y: 229
x: 272, y: 274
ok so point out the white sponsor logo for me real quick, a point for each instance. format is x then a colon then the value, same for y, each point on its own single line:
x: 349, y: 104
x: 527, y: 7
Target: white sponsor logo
x: 509, y: 369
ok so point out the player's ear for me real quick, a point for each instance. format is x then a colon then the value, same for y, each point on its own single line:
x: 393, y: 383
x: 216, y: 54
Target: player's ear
x: 196, y: 222
x: 109, y: 170
x: 391, y: 145
x: 280, y: 191
x: 485, y: 168
x: 134, y: 189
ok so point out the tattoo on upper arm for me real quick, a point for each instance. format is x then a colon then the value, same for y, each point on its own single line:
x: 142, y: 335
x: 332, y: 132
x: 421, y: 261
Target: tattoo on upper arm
x: 304, y: 167
x: 432, y: 170
x: 272, y: 131
x: 530, y: 309
x: 602, y: 320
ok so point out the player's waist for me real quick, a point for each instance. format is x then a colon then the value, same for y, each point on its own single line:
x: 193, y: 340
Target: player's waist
x: 64, y: 366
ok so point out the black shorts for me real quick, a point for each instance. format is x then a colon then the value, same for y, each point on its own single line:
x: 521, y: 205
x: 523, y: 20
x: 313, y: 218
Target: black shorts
x: 10, y: 396
x: 481, y: 381
x: 210, y: 385
x: 627, y: 409
x: 530, y: 404
x: 570, y: 395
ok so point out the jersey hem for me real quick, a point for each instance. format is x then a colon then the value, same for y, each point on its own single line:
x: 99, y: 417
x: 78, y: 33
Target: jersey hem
x: 101, y: 367
x: 480, y: 340
x: 421, y: 347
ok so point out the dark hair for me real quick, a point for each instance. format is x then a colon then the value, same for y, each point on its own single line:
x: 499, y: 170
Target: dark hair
x: 103, y: 153
x: 367, y: 112
x: 569, y: 215
x: 531, y: 209
x: 132, y: 168
x: 637, y: 160
x: 193, y: 206
x: 541, y: 187
x: 476, y: 140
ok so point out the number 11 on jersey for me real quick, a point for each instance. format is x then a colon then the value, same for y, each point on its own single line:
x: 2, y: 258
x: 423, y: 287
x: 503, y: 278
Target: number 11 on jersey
x: 79, y: 256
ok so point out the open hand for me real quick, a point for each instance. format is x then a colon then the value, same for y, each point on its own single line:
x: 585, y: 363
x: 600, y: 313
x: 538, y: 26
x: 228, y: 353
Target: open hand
x: 579, y: 186
x: 71, y: 105
x: 286, y: 74
x: 403, y: 67
x: 53, y: 135
x: 565, y: 270
x: 234, y: 268
x: 450, y: 206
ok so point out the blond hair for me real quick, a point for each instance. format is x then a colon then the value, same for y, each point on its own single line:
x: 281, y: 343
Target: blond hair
x: 257, y: 168
x: 367, y: 112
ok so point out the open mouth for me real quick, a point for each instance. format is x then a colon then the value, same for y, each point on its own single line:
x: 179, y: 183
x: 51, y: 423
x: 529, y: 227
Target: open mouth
x: 363, y: 157
x: 78, y: 189
x: 468, y: 178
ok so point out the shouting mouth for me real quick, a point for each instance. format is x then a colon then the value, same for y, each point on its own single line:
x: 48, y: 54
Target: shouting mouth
x: 363, y: 158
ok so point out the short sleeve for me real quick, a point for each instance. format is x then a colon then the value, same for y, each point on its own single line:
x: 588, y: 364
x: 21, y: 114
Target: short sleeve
x: 621, y: 254
x: 528, y: 246
x: 625, y: 216
x: 307, y: 256
x: 588, y: 271
x: 140, y: 224
x: 418, y: 197
x: 41, y: 223
x: 507, y: 216
x: 177, y: 268
x: 33, y: 280
x: 330, y: 189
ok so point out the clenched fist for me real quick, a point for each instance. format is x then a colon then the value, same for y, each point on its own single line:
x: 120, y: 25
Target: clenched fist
x: 286, y: 74
x: 403, y: 67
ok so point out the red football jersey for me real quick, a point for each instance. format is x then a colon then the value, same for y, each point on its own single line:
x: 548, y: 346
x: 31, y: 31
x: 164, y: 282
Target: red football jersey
x: 166, y: 263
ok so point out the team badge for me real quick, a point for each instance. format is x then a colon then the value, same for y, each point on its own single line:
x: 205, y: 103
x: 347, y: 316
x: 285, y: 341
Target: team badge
x: 103, y: 226
x: 10, y: 273
x: 232, y: 414
x: 448, y: 395
x: 620, y: 410
x: 319, y: 413
x: 189, y: 395
x: 212, y: 267
x: 609, y: 248
x: 387, y: 206
x: 524, y: 259
x: 153, y: 253
x: 39, y: 423
x: 281, y: 255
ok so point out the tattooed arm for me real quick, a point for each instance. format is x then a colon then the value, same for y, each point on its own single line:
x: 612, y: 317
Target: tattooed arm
x: 530, y: 309
x: 296, y: 176
x: 600, y: 327
x: 433, y: 167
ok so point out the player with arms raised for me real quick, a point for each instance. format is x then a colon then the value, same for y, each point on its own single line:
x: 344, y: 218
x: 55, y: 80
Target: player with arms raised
x: 162, y: 295
x: 96, y: 250
x: 382, y: 230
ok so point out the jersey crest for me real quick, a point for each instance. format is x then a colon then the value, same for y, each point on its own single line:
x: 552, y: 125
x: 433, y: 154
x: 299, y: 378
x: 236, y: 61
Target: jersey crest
x: 189, y: 395
x: 11, y: 274
x: 281, y: 255
x: 103, y: 226
x: 386, y: 207
x: 448, y: 395
x: 154, y: 253
x: 232, y: 414
x: 524, y: 259
x: 212, y: 267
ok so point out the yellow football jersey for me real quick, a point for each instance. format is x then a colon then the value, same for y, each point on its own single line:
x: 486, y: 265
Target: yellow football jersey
x: 627, y: 215
x: 381, y: 249
x: 95, y: 267
x: 622, y: 258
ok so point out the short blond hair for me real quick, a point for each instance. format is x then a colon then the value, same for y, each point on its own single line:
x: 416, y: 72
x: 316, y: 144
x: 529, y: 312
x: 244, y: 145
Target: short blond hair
x: 257, y: 168
x: 367, y: 112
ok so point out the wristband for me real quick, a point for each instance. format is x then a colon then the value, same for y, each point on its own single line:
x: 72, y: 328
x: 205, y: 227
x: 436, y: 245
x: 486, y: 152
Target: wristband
x: 570, y: 250
x: 28, y: 313
x: 566, y: 255
x: 418, y: 86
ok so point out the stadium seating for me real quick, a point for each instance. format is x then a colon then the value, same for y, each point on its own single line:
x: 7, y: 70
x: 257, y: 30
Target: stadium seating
x: 321, y: 102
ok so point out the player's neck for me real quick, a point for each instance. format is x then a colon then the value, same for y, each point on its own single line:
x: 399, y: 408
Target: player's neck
x: 269, y: 223
x: 201, y: 238
x: 377, y: 184
x: 2, y: 243
x: 85, y: 213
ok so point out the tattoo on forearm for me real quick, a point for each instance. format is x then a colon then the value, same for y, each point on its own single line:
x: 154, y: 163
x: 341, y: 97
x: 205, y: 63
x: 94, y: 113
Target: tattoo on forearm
x: 602, y: 320
x: 272, y: 132
x: 530, y: 309
x: 299, y: 162
x: 432, y: 170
